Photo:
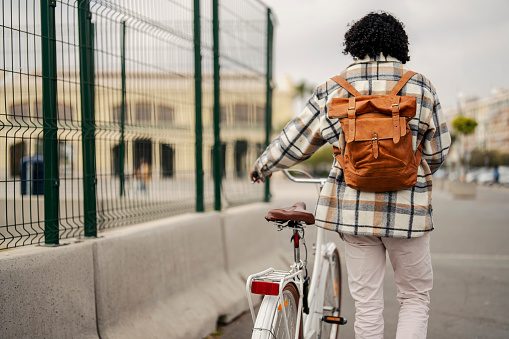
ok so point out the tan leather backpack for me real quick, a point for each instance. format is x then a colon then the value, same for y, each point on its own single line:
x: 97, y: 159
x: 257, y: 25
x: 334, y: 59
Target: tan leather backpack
x: 378, y: 154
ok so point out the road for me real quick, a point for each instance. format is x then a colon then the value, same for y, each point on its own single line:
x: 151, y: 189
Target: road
x: 470, y: 255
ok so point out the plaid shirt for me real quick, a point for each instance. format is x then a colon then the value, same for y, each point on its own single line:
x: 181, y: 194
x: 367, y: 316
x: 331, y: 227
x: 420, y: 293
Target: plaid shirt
x: 399, y: 214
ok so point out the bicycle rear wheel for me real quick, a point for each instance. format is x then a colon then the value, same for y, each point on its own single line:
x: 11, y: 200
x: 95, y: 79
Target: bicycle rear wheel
x: 332, y: 297
x: 270, y: 321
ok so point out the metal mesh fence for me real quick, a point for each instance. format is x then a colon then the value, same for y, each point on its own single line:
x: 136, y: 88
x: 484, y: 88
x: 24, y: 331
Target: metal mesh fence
x: 242, y: 49
x: 20, y: 126
x: 97, y: 126
x: 145, y: 166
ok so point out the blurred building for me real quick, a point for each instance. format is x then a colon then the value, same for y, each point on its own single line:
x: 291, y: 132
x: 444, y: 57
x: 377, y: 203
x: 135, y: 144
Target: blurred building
x: 159, y: 121
x: 492, y: 116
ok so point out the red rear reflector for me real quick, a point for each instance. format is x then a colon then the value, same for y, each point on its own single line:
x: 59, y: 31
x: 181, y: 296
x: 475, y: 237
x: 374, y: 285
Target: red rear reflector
x: 265, y: 288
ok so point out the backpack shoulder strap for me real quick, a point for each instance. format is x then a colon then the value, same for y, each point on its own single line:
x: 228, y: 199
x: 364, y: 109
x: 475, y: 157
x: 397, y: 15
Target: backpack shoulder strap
x: 402, y: 82
x: 346, y: 85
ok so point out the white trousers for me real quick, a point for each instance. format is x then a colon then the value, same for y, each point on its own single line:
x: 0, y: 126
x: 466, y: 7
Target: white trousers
x: 413, y: 275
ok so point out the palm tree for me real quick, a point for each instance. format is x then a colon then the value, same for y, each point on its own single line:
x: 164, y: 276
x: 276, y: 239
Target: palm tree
x: 463, y: 126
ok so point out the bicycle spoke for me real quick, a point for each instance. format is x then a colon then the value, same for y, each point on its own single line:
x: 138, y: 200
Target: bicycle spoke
x: 279, y: 329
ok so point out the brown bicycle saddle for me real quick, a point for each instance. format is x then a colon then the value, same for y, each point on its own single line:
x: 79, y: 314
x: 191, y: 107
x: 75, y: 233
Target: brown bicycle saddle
x: 297, y: 212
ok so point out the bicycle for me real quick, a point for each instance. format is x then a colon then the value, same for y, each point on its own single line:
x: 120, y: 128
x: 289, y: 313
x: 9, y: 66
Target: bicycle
x: 295, y: 306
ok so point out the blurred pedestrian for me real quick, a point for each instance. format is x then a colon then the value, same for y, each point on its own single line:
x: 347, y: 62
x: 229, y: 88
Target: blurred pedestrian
x: 371, y: 224
x: 496, y: 175
x: 143, y: 175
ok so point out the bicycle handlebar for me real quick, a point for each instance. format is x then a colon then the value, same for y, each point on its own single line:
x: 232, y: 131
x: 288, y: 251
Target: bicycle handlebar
x: 320, y: 181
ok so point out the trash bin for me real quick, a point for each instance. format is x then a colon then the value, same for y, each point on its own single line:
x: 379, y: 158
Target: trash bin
x: 32, y: 175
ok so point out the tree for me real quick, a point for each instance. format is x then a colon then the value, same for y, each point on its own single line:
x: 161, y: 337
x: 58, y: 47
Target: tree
x: 490, y: 158
x: 463, y: 126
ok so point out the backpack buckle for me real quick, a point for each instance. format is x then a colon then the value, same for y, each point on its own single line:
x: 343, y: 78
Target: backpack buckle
x: 375, y: 146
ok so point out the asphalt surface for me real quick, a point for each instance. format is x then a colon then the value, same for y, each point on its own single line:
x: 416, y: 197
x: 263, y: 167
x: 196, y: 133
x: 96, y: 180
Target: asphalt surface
x: 470, y: 255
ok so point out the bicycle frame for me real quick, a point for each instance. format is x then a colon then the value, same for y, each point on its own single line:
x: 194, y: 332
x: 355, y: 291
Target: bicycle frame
x: 322, y: 255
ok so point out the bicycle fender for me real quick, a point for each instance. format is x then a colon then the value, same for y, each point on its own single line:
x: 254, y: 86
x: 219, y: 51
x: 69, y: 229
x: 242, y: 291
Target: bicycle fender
x: 264, y: 320
x: 263, y: 323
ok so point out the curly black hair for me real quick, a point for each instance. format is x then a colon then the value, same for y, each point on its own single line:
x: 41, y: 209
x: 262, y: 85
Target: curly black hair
x: 375, y: 33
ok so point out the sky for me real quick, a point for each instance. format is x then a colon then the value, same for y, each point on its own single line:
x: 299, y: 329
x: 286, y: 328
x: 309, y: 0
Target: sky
x: 462, y: 46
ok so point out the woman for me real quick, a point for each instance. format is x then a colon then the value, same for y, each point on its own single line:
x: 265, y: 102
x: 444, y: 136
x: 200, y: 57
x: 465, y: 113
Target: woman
x: 371, y: 224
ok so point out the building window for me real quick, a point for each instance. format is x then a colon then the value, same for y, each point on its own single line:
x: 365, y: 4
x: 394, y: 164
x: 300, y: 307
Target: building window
x: 165, y: 115
x: 241, y: 113
x: 167, y: 160
x: 240, y: 155
x: 117, y: 114
x: 223, y: 114
x: 142, y: 162
x: 223, y: 159
x: 260, y: 115
x: 142, y: 152
x: 20, y: 111
x: 115, y: 156
x: 144, y: 113
x: 17, y: 152
x: 260, y: 148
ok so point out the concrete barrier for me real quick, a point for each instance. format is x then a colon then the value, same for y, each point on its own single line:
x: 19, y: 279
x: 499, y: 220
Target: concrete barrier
x: 48, y: 292
x: 466, y: 190
x: 164, y: 281
x: 253, y: 244
x: 171, y: 278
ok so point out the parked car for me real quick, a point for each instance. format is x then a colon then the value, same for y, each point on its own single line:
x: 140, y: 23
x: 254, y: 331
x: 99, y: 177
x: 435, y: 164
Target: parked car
x: 453, y: 176
x: 503, y: 175
x: 473, y: 174
x: 441, y: 173
x: 486, y: 176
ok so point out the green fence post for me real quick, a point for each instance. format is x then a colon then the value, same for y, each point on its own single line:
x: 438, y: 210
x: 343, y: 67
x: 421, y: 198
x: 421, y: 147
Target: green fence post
x: 121, y: 146
x: 268, y: 101
x: 50, y: 127
x: 198, y: 127
x: 217, y: 109
x: 86, y: 55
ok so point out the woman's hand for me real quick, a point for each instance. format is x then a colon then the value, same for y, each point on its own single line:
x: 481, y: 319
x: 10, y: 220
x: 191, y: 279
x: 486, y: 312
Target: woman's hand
x: 257, y: 177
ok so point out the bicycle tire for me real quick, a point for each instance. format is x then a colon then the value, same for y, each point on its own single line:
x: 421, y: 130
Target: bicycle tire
x: 270, y: 322
x: 332, y: 297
